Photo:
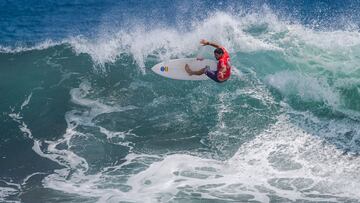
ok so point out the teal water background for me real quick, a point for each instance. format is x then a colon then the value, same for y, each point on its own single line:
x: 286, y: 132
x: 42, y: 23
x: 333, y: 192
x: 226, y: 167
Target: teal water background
x: 84, y: 119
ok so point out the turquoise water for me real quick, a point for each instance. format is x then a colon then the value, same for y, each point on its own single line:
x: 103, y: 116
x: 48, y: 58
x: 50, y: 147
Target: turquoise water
x: 84, y: 119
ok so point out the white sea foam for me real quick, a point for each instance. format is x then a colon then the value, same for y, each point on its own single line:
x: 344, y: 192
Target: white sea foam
x: 6, y: 192
x: 74, y: 118
x: 335, y: 51
x: 26, y: 102
x: 166, y: 43
x: 40, y: 46
x: 253, y: 32
x: 306, y: 87
x: 283, y: 160
x: 73, y: 177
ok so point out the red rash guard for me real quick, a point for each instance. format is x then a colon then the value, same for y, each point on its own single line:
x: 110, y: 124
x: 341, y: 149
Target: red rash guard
x: 224, y: 61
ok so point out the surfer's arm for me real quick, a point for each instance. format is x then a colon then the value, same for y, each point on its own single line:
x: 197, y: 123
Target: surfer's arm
x: 213, y: 44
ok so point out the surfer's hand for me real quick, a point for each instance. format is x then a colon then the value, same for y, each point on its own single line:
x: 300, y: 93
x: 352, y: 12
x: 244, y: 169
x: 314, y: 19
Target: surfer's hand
x: 199, y: 58
x: 204, y: 42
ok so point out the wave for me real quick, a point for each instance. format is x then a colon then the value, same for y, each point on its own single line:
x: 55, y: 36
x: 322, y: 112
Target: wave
x: 283, y: 128
x: 258, y: 31
x: 312, y: 65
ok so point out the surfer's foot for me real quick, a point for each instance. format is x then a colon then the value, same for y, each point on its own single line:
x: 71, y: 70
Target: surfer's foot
x: 188, y: 70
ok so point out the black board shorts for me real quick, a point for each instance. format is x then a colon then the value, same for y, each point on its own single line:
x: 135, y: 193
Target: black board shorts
x: 212, y: 74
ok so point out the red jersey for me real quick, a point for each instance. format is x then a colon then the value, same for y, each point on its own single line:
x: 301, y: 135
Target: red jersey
x: 224, y: 61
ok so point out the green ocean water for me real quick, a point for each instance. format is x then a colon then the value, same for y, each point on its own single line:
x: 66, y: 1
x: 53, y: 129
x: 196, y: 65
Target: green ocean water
x: 88, y: 121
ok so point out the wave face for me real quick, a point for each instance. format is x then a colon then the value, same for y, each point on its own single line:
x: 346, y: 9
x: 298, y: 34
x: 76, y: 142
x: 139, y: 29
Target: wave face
x: 84, y: 119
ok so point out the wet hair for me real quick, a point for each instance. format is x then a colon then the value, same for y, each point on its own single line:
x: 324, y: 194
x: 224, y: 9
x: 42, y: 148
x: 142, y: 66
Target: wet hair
x: 219, y: 51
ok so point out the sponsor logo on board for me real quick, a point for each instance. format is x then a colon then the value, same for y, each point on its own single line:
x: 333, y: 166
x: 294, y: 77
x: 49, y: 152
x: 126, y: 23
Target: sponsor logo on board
x: 164, y: 68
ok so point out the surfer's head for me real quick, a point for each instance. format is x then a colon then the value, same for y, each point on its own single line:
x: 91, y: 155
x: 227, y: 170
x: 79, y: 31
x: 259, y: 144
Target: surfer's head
x: 218, y: 53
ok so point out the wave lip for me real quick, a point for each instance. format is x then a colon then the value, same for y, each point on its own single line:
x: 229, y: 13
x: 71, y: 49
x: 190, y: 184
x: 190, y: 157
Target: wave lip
x: 40, y: 46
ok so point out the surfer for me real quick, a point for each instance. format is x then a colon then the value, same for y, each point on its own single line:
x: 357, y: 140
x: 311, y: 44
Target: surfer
x: 223, y: 67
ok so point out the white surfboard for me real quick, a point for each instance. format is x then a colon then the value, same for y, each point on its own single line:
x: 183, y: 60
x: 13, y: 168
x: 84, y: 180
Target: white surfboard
x: 175, y: 69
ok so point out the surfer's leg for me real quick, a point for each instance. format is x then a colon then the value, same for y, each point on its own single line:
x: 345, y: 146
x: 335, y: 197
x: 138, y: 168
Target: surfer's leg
x: 194, y: 72
x: 188, y: 70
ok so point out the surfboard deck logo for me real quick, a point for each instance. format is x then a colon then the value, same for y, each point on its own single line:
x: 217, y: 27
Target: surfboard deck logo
x: 164, y: 68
